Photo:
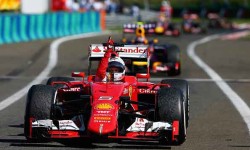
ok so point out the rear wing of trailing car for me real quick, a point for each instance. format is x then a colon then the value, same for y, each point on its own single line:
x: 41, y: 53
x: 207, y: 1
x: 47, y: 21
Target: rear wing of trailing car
x: 129, y: 53
x: 131, y: 27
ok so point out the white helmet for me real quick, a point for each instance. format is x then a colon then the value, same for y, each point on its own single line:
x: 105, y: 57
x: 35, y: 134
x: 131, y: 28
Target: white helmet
x: 115, y: 62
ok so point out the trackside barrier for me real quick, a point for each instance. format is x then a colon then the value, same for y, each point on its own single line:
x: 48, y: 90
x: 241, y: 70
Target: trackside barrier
x: 28, y: 27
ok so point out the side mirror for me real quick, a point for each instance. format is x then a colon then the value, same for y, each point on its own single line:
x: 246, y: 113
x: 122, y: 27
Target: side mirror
x: 143, y: 75
x: 78, y: 74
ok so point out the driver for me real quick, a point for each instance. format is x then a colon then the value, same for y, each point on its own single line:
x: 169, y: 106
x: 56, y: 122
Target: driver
x: 111, y: 67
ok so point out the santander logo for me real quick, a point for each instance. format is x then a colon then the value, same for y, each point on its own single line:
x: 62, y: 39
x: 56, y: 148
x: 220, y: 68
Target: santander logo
x: 135, y: 50
x: 131, y: 50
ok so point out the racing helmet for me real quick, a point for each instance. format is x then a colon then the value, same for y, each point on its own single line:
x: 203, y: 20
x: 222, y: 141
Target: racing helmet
x: 116, y: 69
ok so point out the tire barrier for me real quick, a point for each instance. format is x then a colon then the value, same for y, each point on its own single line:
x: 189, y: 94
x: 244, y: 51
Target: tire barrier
x: 28, y: 27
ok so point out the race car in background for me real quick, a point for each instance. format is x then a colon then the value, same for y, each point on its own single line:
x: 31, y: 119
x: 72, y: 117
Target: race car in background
x: 164, y: 58
x: 154, y: 28
x: 80, y: 108
x: 217, y: 22
x: 191, y: 23
x: 130, y: 28
x: 164, y: 26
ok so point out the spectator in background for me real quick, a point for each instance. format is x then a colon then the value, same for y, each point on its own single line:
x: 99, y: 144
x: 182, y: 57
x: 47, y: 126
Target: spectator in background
x: 111, y: 6
x: 135, y: 10
x: 83, y: 5
x: 98, y: 5
x: 72, y: 5
x: 166, y: 8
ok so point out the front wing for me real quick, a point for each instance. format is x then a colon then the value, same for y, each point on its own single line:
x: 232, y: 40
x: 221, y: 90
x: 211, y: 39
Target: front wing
x: 141, y: 129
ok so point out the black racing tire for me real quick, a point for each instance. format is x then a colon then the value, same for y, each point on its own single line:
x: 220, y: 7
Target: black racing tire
x: 39, y: 103
x: 171, y: 108
x: 59, y: 79
x: 174, y: 56
x: 184, y: 87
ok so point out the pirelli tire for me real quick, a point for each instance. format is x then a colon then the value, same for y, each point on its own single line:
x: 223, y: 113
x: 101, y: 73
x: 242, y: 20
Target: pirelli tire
x: 59, y: 79
x: 39, y: 105
x: 184, y: 87
x: 173, y: 57
x: 171, y: 108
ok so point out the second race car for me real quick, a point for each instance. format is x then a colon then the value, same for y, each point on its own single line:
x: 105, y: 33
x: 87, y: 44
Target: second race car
x: 164, y: 58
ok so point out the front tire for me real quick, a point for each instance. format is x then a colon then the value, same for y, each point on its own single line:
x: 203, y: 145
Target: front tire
x: 171, y: 108
x: 39, y: 103
x: 184, y: 87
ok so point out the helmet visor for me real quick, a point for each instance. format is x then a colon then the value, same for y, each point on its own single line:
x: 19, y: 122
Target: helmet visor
x: 115, y: 66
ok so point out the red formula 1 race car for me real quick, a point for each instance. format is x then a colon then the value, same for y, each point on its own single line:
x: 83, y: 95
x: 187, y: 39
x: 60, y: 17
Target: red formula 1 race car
x: 81, y: 108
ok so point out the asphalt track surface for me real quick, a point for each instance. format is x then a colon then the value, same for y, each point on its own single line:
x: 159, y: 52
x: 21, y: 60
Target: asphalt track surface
x: 215, y: 123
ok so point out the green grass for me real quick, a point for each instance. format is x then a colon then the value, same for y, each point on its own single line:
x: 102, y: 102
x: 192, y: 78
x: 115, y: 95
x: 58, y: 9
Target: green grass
x: 187, y: 3
x: 178, y: 20
x: 239, y: 21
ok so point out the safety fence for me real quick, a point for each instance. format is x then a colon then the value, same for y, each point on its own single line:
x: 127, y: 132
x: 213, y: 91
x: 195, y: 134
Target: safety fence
x: 28, y: 27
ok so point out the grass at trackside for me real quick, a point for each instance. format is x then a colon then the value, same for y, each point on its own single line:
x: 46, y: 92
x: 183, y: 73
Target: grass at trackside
x: 239, y: 21
x: 155, y: 4
x: 177, y: 20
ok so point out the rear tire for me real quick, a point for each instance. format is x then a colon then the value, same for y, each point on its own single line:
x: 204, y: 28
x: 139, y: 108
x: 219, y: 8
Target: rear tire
x: 173, y: 57
x: 38, y: 106
x: 171, y: 108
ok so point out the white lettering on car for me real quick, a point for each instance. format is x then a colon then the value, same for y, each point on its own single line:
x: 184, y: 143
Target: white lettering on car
x: 72, y: 90
x: 146, y: 91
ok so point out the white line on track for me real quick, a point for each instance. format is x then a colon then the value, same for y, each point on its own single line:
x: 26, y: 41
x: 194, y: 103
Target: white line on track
x: 153, y: 79
x: 236, y: 100
x: 53, y: 56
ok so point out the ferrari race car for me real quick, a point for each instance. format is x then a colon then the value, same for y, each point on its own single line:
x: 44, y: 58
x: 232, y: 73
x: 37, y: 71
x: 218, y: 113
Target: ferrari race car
x: 81, y: 108
x: 192, y: 24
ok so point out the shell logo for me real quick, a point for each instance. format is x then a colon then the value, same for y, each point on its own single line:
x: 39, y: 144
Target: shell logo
x: 104, y: 106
